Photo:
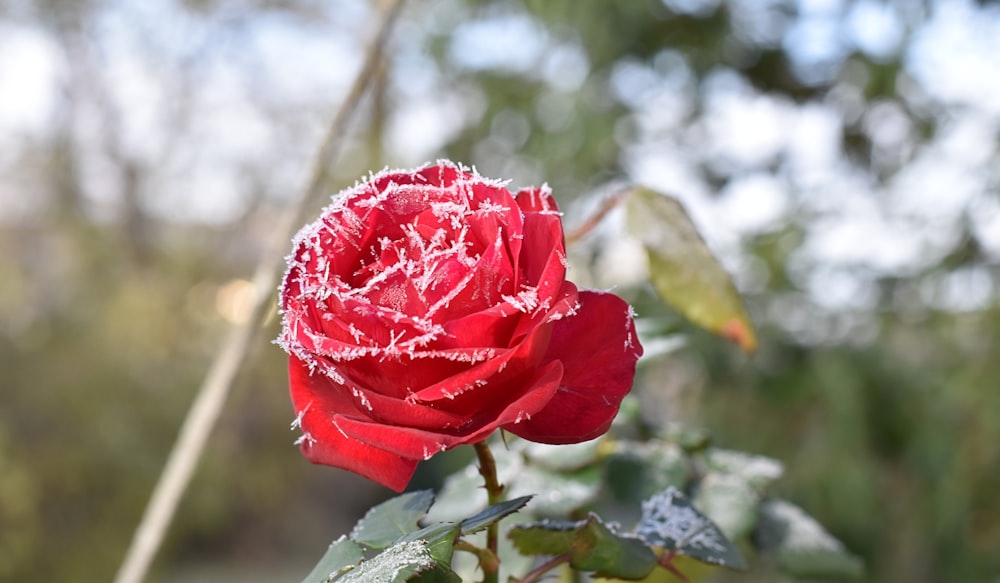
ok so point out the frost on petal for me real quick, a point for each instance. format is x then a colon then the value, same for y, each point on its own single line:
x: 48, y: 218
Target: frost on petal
x: 538, y: 200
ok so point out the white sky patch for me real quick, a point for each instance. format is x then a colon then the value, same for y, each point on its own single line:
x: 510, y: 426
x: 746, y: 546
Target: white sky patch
x: 954, y: 56
x: 867, y: 241
x: 815, y: 45
x: 753, y: 203
x: 875, y: 28
x: 419, y: 128
x: 744, y: 129
x: 30, y: 67
x: 838, y: 289
x: 813, y: 147
x: 632, y: 82
x: 510, y: 41
x: 305, y: 63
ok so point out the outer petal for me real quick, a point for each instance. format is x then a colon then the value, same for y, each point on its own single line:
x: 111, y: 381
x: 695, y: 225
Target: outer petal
x: 537, y: 199
x: 598, y: 348
x: 422, y: 444
x: 323, y: 443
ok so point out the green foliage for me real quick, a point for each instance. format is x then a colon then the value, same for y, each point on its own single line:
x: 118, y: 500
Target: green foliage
x: 494, y: 513
x: 342, y: 555
x: 683, y: 270
x: 670, y: 522
x: 589, y: 544
x: 385, y: 523
x: 703, y: 503
x: 390, y: 544
x: 801, y: 545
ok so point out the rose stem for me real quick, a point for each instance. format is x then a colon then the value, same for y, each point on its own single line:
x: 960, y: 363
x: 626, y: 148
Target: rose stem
x: 544, y: 568
x: 211, y: 397
x: 494, y: 492
x: 487, y: 558
x: 593, y: 220
x: 667, y: 562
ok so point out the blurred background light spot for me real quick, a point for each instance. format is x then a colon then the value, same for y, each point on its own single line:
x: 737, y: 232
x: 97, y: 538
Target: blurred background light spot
x: 234, y: 300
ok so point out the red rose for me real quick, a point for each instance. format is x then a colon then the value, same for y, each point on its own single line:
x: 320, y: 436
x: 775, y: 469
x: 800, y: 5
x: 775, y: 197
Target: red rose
x: 424, y: 309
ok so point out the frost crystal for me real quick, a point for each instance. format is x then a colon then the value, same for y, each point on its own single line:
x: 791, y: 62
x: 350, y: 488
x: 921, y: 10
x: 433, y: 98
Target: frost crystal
x: 387, y: 565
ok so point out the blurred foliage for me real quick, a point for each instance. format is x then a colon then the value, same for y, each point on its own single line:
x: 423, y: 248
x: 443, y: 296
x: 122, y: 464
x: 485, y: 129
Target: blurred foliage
x: 115, y: 288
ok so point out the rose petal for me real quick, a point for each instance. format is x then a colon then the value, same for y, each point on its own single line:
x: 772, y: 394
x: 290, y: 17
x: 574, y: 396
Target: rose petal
x: 536, y: 200
x: 598, y: 349
x: 410, y: 442
x: 479, y: 386
x: 323, y: 443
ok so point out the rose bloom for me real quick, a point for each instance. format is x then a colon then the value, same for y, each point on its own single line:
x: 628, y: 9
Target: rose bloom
x: 425, y: 309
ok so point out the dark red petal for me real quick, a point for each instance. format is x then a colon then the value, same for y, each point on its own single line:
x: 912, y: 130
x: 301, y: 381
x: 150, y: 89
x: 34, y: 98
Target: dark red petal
x: 536, y: 200
x: 317, y: 393
x: 598, y: 348
x: 410, y: 442
x: 487, y: 383
x: 331, y: 448
x: 316, y: 406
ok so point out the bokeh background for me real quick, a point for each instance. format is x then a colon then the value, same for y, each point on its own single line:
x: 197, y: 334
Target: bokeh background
x: 840, y: 156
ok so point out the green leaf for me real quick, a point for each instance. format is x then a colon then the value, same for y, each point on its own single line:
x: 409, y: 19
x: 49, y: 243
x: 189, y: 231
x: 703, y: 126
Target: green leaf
x: 342, y: 554
x: 396, y: 564
x: 493, y: 514
x: 598, y: 548
x: 690, y: 439
x: 590, y: 544
x: 730, y: 502
x: 547, y: 537
x: 756, y: 470
x: 670, y: 521
x: 440, y: 538
x: 385, y: 523
x: 437, y: 574
x: 637, y: 470
x: 462, y: 495
x: 683, y: 270
x: 801, y: 545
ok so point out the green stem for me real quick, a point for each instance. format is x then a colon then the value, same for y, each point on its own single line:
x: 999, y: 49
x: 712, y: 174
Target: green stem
x: 494, y: 493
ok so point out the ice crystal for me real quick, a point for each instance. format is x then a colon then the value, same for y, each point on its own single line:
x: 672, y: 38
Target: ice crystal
x: 388, y: 564
x: 667, y: 518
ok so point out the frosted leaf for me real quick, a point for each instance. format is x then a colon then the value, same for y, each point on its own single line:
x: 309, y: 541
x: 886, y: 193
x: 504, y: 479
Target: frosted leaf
x: 669, y: 521
x: 395, y: 564
x: 801, y: 544
x: 757, y: 471
x: 803, y: 531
